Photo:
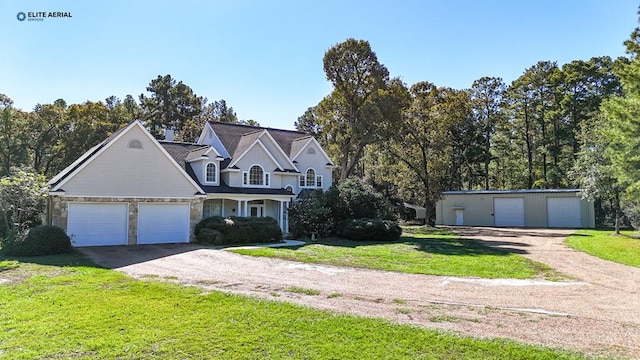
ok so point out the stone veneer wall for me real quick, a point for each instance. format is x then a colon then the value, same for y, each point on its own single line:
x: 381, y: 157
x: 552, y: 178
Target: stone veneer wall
x: 59, y: 211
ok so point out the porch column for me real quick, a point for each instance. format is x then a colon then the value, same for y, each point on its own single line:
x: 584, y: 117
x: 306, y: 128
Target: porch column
x: 222, y: 210
x: 246, y: 208
x: 281, y: 215
x: 286, y: 217
x: 239, y: 212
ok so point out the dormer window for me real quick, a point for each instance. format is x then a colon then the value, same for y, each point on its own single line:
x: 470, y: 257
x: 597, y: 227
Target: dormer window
x: 210, y: 173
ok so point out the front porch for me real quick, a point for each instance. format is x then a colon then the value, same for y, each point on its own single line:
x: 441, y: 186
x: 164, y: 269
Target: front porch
x: 274, y: 206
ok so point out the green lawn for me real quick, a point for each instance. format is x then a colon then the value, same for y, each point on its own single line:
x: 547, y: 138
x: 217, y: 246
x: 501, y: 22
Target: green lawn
x: 62, y: 307
x: 606, y: 245
x: 419, y: 251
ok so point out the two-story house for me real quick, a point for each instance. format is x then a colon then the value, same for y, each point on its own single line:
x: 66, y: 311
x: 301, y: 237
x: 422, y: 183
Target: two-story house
x: 132, y: 189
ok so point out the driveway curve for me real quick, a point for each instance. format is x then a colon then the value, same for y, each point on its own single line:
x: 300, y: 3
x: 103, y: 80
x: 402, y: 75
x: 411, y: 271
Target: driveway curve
x: 597, y: 312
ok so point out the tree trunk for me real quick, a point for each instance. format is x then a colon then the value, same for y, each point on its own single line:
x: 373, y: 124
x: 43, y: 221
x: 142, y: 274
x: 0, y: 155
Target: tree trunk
x: 487, y: 161
x: 617, y: 213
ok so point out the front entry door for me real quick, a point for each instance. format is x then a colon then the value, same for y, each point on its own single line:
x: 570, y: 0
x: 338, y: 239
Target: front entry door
x: 256, y: 210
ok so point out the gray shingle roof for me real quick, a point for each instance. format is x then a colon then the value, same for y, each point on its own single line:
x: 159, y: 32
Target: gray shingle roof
x: 231, y: 135
x: 297, y: 145
x: 180, y: 151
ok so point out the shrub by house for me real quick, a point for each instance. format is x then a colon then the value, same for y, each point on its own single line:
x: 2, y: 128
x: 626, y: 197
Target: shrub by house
x: 219, y: 230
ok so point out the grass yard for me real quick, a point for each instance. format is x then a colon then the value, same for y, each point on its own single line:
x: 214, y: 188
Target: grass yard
x: 606, y: 245
x: 419, y: 251
x: 62, y: 307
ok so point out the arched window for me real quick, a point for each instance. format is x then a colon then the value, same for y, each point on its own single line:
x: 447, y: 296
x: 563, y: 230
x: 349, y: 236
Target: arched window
x: 311, y: 177
x: 289, y: 188
x: 256, y: 175
x: 210, y: 173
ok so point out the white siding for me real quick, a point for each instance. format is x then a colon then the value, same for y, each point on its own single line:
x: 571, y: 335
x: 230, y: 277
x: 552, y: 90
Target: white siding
x: 290, y: 180
x: 124, y: 171
x: 258, y: 156
x: 316, y: 161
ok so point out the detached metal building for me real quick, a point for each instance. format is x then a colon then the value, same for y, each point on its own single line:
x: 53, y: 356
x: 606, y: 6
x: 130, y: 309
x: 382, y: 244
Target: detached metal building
x: 548, y: 208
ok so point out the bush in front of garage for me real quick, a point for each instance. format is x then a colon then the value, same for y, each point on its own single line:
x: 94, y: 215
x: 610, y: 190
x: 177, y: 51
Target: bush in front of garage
x: 40, y: 240
x: 233, y: 230
x: 371, y: 230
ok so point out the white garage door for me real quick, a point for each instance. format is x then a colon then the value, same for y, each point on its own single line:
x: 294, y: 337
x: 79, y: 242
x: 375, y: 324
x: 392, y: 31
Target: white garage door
x: 97, y: 224
x: 564, y: 212
x: 163, y: 223
x: 508, y: 211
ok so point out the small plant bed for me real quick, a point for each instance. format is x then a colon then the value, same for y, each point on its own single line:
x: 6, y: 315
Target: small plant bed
x: 76, y: 310
x: 623, y: 248
x: 420, y: 251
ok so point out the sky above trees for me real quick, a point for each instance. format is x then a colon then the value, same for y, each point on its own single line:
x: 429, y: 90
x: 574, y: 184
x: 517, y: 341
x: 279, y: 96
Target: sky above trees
x: 265, y: 57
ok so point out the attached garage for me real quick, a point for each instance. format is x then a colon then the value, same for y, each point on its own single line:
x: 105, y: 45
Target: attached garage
x: 543, y: 208
x: 160, y: 223
x: 508, y: 212
x: 98, y: 224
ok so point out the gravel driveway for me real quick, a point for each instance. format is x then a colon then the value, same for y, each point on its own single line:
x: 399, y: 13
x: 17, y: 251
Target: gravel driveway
x: 598, y: 311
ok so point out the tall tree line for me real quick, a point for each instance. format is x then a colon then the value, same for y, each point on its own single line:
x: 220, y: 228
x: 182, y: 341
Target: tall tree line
x: 48, y: 138
x: 417, y: 141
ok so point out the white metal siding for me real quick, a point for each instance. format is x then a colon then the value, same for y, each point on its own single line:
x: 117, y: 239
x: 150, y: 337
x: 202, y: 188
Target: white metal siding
x: 163, y: 223
x: 564, y: 212
x: 508, y: 211
x: 97, y: 224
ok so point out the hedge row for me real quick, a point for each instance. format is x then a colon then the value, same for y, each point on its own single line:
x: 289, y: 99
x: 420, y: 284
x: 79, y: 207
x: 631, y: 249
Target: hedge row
x: 232, y: 230
x: 371, y: 230
x: 40, y: 240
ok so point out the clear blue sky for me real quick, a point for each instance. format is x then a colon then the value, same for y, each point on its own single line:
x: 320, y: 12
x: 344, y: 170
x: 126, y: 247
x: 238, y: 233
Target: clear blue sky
x: 265, y: 57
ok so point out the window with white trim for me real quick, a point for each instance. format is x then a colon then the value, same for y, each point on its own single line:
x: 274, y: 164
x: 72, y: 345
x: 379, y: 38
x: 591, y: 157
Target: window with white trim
x: 256, y: 176
x: 310, y: 179
x: 289, y: 188
x: 210, y: 173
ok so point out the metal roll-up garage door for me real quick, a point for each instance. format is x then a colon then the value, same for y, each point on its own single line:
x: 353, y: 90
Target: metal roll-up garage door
x: 160, y: 223
x: 98, y: 224
x: 564, y: 212
x: 508, y: 212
